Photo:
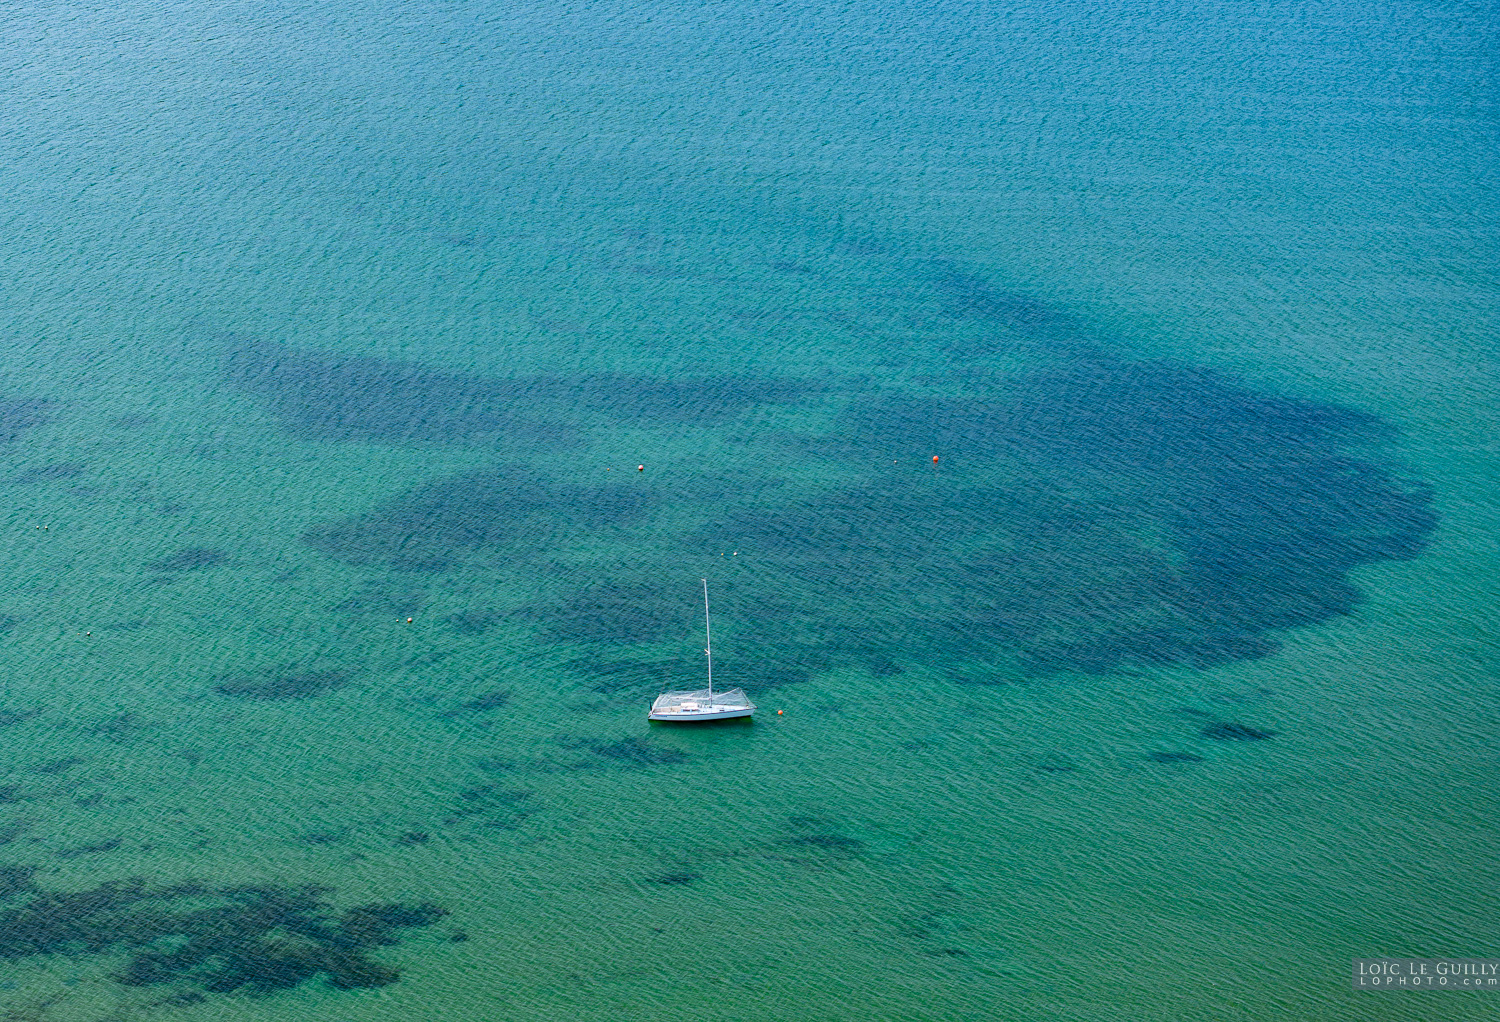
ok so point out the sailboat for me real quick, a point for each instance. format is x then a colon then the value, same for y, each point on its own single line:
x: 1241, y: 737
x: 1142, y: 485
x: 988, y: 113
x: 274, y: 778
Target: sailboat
x: 704, y: 703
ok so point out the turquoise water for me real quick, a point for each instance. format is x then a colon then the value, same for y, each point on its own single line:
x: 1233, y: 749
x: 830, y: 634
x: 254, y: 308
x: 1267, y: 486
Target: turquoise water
x: 333, y: 599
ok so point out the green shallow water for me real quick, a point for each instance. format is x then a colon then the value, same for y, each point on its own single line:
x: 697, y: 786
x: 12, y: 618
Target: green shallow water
x: 1166, y: 693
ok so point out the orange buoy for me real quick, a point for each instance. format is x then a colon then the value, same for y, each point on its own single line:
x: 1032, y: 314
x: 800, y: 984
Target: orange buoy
x: 778, y: 713
x: 934, y: 459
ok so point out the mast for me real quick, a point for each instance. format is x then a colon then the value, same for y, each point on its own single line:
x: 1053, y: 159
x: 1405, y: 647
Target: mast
x: 708, y: 636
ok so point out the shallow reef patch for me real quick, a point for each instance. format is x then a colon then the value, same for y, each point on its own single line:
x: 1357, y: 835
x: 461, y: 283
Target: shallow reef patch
x: 345, y: 397
x: 1233, y: 731
x: 1091, y: 516
x: 18, y: 416
x: 499, y: 808
x: 50, y: 473
x: 811, y: 839
x: 92, y: 848
x: 966, y: 293
x: 62, y: 765
x: 436, y: 525
x: 208, y: 940
x: 283, y: 683
x: 10, y: 718
x: 120, y: 727
x: 193, y: 558
x: 627, y: 612
x: 630, y: 752
x: 1056, y: 763
x: 494, y: 699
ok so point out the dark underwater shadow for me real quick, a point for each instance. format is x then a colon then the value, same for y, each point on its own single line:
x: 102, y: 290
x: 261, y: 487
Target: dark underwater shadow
x: 331, y: 396
x: 18, y: 416
x: 437, y: 525
x: 1089, y: 514
x: 1101, y: 514
x: 201, y: 940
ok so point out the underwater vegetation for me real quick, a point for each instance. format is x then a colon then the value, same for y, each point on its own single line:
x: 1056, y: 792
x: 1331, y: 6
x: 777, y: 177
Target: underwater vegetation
x: 493, y: 700
x: 132, y: 421
x: 589, y: 754
x: 627, y: 612
x: 1086, y: 516
x: 434, y: 526
x: 1230, y: 731
x: 1099, y: 515
x: 970, y: 294
x: 283, y: 683
x: 73, y: 852
x: 50, y: 473
x: 632, y: 752
x: 316, y: 838
x: 936, y: 926
x: 10, y: 718
x: 121, y: 727
x: 1056, y: 763
x: 214, y: 940
x: 54, y: 767
x: 18, y: 416
x: 500, y: 808
x: 343, y: 397
x: 191, y: 558
x: 813, y: 840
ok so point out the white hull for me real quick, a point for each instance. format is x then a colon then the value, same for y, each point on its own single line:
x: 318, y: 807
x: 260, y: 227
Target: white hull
x: 689, y: 716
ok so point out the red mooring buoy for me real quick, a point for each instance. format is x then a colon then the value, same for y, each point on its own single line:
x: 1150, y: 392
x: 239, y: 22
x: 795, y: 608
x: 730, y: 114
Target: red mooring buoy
x: 934, y: 459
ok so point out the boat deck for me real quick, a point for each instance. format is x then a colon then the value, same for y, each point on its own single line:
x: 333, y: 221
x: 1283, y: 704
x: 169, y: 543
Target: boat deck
x: 701, y: 705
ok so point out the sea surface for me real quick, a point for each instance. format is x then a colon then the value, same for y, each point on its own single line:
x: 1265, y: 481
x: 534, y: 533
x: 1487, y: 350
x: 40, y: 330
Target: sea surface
x: 1085, y: 417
